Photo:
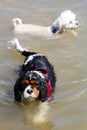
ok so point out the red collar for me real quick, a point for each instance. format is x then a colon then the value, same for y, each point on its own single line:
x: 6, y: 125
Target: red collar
x: 48, y: 84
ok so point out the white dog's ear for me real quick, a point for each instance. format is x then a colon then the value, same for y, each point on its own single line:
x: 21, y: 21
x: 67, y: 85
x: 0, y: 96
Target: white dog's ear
x: 55, y: 27
x: 16, y: 21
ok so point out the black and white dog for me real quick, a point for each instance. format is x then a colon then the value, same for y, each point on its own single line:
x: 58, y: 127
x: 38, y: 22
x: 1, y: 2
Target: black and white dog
x: 36, y: 77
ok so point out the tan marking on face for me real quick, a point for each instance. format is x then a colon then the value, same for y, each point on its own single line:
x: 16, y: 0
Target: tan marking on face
x: 36, y: 92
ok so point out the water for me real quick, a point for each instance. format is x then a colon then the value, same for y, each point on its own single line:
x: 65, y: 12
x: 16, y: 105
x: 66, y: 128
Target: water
x: 68, y: 55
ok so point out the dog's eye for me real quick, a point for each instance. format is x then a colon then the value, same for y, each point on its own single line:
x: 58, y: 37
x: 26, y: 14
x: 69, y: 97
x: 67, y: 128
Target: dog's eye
x: 33, y: 81
x: 26, y: 81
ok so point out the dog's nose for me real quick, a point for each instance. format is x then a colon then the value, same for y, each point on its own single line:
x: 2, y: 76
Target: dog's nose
x: 77, y: 23
x: 29, y: 91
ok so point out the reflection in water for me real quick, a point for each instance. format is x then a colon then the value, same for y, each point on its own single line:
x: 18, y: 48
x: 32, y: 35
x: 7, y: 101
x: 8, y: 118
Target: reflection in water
x: 36, y: 115
x: 41, y: 114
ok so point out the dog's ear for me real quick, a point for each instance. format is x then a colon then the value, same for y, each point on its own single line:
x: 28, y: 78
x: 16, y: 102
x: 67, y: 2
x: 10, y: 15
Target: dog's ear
x: 54, y: 29
x: 43, y: 92
x: 17, y: 90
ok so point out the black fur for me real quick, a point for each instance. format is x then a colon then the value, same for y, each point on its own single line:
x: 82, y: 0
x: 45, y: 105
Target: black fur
x: 39, y: 61
x: 54, y: 29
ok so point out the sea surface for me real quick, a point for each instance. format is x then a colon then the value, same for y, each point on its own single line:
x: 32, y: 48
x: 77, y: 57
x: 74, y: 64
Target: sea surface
x: 68, y: 54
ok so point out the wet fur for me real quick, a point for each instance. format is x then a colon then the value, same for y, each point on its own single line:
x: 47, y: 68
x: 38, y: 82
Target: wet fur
x: 28, y: 68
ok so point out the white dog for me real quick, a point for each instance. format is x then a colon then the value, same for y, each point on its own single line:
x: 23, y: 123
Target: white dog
x: 66, y: 20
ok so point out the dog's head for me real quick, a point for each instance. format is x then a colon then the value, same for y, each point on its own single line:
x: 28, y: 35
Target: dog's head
x: 31, y: 86
x: 66, y: 20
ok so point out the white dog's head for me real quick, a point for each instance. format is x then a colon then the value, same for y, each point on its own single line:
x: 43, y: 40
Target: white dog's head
x: 66, y: 20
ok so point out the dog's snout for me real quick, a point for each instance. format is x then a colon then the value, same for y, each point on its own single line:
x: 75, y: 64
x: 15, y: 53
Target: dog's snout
x: 77, y: 23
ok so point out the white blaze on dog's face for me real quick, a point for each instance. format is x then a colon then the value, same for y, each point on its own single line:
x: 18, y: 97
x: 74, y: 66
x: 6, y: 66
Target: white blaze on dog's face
x: 30, y: 92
